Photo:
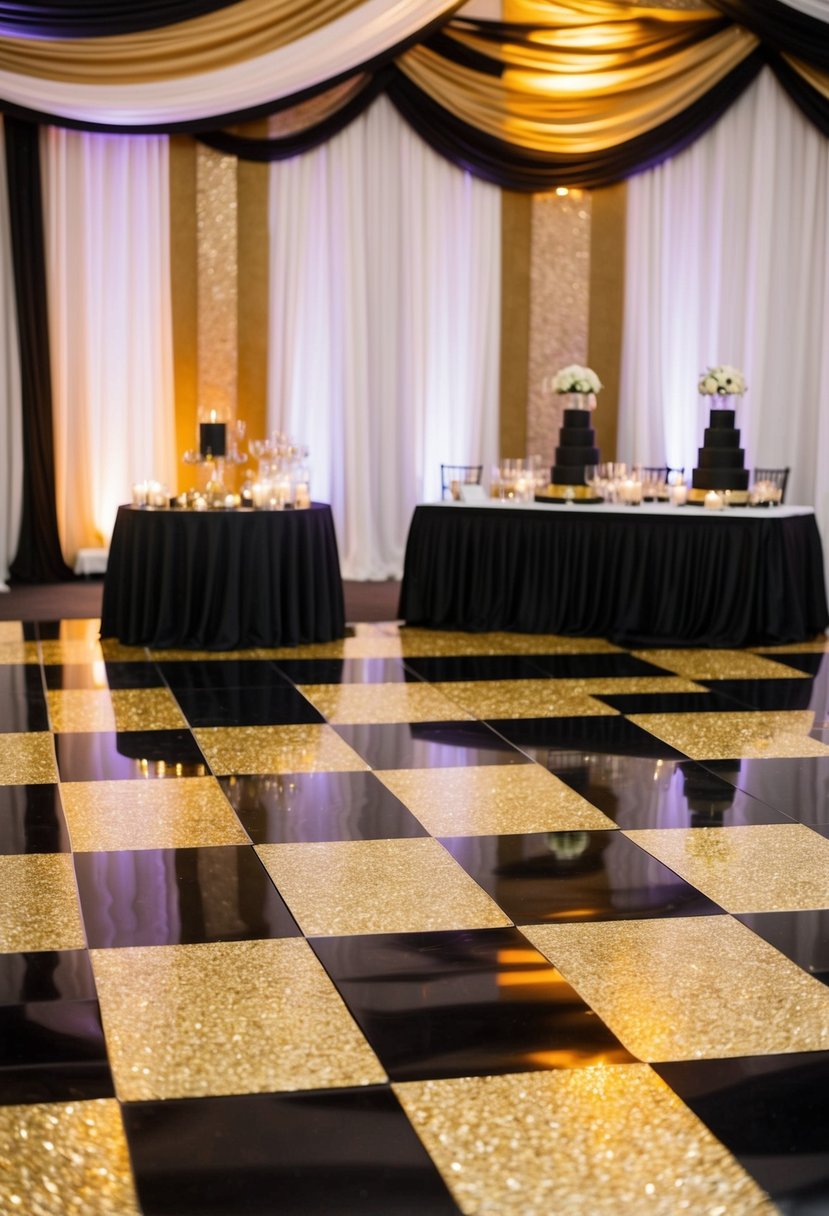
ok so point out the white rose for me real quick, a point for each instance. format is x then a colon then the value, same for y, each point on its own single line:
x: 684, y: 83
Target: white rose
x: 709, y: 385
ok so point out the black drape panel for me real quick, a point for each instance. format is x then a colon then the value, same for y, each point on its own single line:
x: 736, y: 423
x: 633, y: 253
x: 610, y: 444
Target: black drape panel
x: 812, y: 104
x: 95, y: 18
x: 39, y: 558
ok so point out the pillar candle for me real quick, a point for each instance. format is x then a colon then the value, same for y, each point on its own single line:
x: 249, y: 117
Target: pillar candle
x: 212, y: 439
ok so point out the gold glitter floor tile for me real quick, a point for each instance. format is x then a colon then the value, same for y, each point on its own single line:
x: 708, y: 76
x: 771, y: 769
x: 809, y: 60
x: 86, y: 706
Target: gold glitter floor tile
x: 417, y: 642
x: 744, y: 735
x: 39, y: 903
x: 19, y: 652
x: 63, y: 1157
x: 115, y: 652
x: 818, y: 645
x: 71, y: 651
x: 350, y: 703
x: 618, y: 686
x: 108, y: 815
x: 377, y: 886
x: 492, y: 800
x: 718, y: 664
x: 522, y: 699
x: 770, y: 867
x: 277, y: 749
x: 580, y: 1142
x: 700, y: 987
x: 27, y: 759
x: 226, y: 1018
x: 90, y: 709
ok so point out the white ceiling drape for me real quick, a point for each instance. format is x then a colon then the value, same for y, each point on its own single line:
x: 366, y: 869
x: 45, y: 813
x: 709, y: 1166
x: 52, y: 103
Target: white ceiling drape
x: 336, y: 48
x: 11, y: 410
x: 728, y: 262
x: 384, y: 329
x: 106, y: 220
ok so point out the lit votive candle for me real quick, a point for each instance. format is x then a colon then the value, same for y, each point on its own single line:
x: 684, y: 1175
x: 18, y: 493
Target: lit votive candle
x: 139, y: 494
x: 679, y: 495
x: 259, y: 494
x: 302, y: 497
x: 713, y: 501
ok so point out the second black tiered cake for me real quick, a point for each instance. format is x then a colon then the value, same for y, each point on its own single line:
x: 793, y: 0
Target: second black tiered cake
x: 721, y: 462
x: 576, y: 451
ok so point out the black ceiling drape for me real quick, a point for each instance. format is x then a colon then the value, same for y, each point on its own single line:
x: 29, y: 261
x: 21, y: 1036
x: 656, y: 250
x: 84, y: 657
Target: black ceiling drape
x: 97, y: 18
x: 781, y: 27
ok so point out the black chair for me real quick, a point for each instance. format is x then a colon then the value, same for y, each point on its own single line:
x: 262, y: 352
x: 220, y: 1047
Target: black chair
x: 452, y: 476
x: 778, y: 477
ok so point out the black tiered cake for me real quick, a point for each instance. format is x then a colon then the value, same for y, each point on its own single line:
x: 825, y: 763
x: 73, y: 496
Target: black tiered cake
x: 575, y: 452
x: 721, y: 461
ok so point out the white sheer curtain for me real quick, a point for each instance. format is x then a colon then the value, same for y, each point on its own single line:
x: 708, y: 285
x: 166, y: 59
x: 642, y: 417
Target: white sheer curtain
x: 11, y: 413
x: 106, y: 216
x: 384, y: 326
x: 728, y: 262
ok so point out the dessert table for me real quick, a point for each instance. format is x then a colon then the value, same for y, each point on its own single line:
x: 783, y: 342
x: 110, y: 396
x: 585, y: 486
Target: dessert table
x: 648, y: 575
x: 223, y: 580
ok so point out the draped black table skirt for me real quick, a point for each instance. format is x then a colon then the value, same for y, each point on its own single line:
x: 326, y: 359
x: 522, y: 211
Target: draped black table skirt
x: 643, y: 577
x: 222, y: 580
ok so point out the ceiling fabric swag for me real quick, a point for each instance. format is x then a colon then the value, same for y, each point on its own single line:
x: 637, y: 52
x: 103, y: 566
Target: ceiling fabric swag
x: 782, y: 27
x: 553, y: 112
x: 186, y: 90
x: 517, y: 168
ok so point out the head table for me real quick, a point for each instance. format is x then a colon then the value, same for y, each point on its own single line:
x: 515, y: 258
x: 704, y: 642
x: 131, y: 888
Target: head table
x: 653, y: 574
x: 222, y: 580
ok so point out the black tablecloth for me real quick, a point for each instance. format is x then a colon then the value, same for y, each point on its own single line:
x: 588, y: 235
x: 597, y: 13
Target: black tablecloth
x: 673, y: 577
x: 220, y: 580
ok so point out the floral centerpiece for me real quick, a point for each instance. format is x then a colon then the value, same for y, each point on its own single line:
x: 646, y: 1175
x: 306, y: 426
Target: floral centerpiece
x: 576, y: 379
x: 722, y: 381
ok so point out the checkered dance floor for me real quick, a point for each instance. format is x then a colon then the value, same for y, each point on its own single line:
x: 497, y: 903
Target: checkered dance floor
x: 414, y: 923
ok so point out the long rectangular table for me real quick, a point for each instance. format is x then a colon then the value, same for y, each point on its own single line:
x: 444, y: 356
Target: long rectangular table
x: 638, y: 575
x: 222, y: 580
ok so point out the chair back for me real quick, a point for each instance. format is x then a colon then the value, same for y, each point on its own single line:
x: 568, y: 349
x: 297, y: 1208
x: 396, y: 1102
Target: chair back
x: 778, y: 477
x: 453, y: 476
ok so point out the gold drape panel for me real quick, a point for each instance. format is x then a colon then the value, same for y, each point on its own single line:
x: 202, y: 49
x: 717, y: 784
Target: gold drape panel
x: 813, y: 76
x: 228, y: 36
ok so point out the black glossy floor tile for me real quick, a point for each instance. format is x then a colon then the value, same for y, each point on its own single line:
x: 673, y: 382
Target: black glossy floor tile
x: 575, y: 876
x: 282, y: 808
x: 159, y: 897
x: 277, y: 705
x: 585, y: 666
x: 20, y: 680
x: 22, y: 708
x: 772, y: 1113
x: 221, y: 673
x: 429, y: 744
x: 345, y: 671
x: 124, y: 755
x: 31, y: 820
x: 52, y: 1051
x: 468, y: 1003
x: 767, y: 694
x: 333, y: 1152
x: 669, y: 702
x: 797, y: 787
x: 46, y: 975
x: 801, y: 936
x: 545, y: 739
x: 477, y: 667
x: 639, y: 793
x: 97, y: 675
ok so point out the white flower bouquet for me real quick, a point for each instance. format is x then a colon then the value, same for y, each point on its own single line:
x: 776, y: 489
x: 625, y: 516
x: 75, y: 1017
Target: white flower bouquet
x: 576, y: 379
x: 722, y: 381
